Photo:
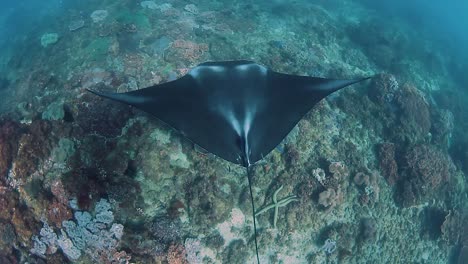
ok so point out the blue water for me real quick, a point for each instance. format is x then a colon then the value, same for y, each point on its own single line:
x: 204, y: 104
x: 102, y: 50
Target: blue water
x: 445, y: 22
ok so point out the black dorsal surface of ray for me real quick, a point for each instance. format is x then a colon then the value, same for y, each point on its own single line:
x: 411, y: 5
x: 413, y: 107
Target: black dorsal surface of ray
x: 238, y: 110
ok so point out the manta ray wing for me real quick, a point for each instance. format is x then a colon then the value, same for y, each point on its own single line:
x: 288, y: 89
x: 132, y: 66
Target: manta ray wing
x: 237, y: 110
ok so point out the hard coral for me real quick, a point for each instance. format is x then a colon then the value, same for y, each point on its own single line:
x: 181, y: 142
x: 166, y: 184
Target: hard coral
x: 9, y: 135
x: 368, y: 183
x: 292, y: 155
x: 24, y: 222
x: 388, y: 164
x: 368, y: 232
x: 134, y: 64
x: 452, y: 227
x: 8, y: 203
x: 175, y: 208
x: 40, y: 79
x: 414, y: 119
x: 176, y: 254
x: 337, y: 175
x: 7, y: 237
x: 320, y: 176
x: 59, y: 192
x: 91, y: 119
x: 165, y: 230
x: 331, y: 198
x: 338, y: 170
x: 98, y: 236
x: 384, y: 89
x: 193, y: 247
x: 361, y: 179
x: 189, y: 50
x: 427, y: 169
x: 34, y: 148
x: 58, y: 212
x: 428, y: 166
x: 95, y: 76
x: 442, y: 128
x: 8, y: 258
x: 205, y: 196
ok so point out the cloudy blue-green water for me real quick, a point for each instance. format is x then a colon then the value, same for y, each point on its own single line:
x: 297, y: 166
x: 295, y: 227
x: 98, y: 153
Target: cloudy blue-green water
x: 374, y: 173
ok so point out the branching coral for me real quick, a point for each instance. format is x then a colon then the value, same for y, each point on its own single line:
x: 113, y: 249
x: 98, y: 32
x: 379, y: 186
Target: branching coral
x: 98, y: 236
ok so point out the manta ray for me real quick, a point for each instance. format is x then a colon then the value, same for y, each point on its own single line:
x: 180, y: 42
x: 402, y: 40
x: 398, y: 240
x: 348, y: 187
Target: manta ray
x: 237, y: 110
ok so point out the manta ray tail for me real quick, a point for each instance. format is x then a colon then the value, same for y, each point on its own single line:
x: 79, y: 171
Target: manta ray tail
x: 249, y: 177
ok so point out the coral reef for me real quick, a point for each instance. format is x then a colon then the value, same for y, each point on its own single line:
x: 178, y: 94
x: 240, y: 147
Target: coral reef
x: 176, y: 254
x: 442, y: 128
x: 426, y: 171
x: 387, y: 162
x: 368, y: 183
x: 331, y: 198
x: 188, y: 50
x: 454, y: 227
x: 9, y: 135
x: 165, y: 230
x: 88, y: 116
x: 7, y: 239
x: 335, y: 184
x: 34, y: 148
x: 385, y: 89
x: 329, y: 247
x: 57, y: 213
x: 368, y: 231
x: 375, y: 172
x: 414, y: 122
x: 95, y: 234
